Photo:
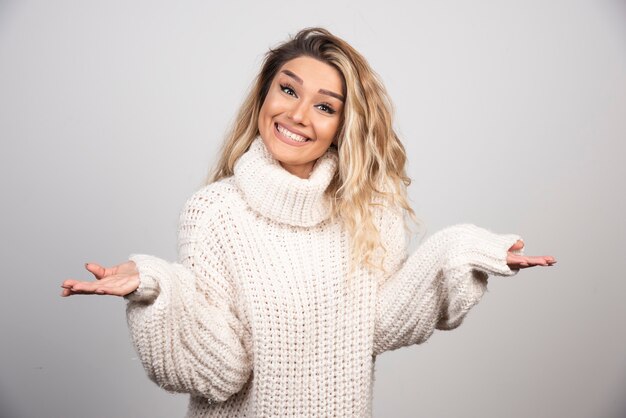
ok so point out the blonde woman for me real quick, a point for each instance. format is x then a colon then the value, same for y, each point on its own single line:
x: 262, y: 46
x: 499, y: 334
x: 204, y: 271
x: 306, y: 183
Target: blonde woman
x: 294, y: 273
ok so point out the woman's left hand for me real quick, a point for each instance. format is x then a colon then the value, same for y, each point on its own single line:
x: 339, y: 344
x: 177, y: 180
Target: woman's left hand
x: 516, y: 261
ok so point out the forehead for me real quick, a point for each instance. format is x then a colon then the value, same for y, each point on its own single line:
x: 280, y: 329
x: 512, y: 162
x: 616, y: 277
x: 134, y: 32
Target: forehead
x: 314, y: 73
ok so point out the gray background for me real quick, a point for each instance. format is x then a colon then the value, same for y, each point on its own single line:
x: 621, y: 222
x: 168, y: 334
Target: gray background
x: 513, y: 116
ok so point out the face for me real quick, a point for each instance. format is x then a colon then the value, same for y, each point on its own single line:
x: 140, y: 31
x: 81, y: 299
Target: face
x: 301, y: 113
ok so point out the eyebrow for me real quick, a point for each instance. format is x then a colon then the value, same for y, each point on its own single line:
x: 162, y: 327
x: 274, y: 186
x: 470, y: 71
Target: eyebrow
x: 323, y: 91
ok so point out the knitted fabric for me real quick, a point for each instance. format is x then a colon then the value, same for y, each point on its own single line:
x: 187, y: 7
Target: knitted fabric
x: 259, y: 318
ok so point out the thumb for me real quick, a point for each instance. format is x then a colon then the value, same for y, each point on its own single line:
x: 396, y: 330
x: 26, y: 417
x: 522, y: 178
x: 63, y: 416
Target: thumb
x: 517, y: 246
x: 96, y: 269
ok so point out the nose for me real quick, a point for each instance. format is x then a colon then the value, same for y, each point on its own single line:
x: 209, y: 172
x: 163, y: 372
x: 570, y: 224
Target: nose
x: 299, y: 112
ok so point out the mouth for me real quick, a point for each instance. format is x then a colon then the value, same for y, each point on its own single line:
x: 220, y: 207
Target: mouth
x: 287, y: 135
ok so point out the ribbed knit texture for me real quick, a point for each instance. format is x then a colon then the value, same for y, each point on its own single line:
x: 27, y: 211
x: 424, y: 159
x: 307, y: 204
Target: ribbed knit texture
x: 259, y: 318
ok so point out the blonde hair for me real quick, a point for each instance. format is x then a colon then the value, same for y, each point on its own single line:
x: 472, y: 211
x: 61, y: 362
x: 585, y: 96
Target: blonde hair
x: 371, y: 157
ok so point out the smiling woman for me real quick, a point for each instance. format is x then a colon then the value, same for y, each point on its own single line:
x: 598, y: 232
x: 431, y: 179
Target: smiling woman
x: 294, y: 273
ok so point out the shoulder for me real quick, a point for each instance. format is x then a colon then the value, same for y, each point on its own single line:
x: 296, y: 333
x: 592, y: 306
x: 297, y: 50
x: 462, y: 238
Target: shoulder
x: 387, y: 217
x: 213, y: 195
x: 210, y: 204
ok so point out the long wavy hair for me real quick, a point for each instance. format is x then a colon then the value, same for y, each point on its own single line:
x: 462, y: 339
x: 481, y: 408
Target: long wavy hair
x: 372, y: 159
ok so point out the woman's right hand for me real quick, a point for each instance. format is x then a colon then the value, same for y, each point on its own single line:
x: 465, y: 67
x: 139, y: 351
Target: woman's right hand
x: 118, y: 280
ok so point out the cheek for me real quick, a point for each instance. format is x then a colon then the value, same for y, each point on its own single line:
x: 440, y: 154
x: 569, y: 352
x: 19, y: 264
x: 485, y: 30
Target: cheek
x: 272, y: 105
x: 267, y: 112
x: 263, y: 112
x: 329, y: 127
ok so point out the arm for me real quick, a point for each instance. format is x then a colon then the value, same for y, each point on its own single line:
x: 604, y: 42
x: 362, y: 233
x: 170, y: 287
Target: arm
x: 183, y: 318
x: 436, y: 286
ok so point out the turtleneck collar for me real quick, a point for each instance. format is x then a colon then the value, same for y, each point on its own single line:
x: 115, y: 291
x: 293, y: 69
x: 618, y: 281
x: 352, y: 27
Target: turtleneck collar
x: 279, y: 195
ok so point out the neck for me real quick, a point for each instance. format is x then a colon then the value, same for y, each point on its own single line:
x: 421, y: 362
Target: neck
x: 301, y: 170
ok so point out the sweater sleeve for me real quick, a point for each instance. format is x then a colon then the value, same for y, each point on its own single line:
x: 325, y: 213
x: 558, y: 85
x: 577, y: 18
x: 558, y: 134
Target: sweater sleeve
x: 436, y: 286
x: 183, y: 318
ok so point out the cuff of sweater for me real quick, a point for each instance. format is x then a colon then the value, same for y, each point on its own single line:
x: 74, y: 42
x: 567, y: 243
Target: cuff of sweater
x: 149, y: 270
x: 485, y: 250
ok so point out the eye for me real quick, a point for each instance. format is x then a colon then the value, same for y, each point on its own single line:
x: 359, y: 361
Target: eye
x: 325, y: 107
x: 288, y: 89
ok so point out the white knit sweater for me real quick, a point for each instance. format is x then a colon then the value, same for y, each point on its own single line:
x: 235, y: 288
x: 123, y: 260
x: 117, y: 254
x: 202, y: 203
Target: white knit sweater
x: 258, y: 318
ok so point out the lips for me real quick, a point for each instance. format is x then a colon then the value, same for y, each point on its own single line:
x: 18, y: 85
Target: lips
x: 289, y: 133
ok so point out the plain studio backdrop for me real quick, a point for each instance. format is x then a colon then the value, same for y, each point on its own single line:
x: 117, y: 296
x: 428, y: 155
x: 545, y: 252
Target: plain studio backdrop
x: 513, y: 114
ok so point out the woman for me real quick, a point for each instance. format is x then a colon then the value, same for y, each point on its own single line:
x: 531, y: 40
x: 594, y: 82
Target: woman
x: 293, y: 272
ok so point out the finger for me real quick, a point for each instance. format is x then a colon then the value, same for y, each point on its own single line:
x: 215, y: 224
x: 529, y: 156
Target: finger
x: 119, y: 288
x: 84, y: 287
x: 517, y: 246
x: 82, y: 291
x: 101, y: 291
x: 112, y: 291
x: 69, y: 292
x: 112, y: 285
x: 69, y: 283
x: 79, y: 287
x: 531, y: 262
x: 534, y: 261
x: 540, y: 260
x: 98, y: 271
x: 550, y: 259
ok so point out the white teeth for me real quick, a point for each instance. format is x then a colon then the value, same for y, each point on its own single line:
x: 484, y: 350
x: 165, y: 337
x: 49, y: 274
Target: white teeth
x: 290, y: 134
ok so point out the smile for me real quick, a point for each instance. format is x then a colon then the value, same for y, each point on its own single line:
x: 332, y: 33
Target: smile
x: 291, y: 137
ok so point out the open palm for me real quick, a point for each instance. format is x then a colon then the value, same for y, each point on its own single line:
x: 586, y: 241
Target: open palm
x: 119, y: 280
x: 515, y: 261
